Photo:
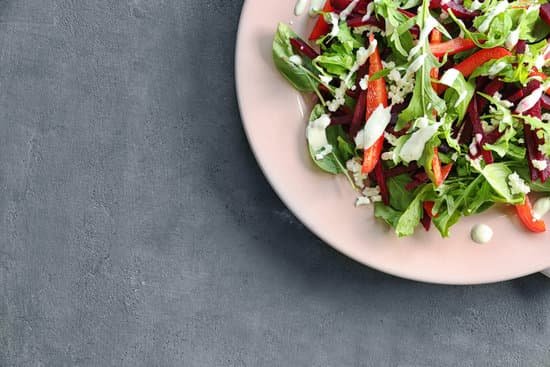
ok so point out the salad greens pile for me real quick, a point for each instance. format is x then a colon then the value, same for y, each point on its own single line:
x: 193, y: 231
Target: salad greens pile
x: 433, y: 110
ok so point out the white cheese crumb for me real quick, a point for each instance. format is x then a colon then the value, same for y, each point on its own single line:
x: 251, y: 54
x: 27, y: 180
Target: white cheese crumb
x: 339, y: 97
x: 517, y: 185
x: 361, y: 201
x: 541, y: 164
x: 354, y: 166
x: 364, y: 82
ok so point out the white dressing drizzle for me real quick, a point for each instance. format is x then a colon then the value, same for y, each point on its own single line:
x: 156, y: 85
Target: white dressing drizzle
x: 413, y: 148
x: 500, y: 8
x: 541, y: 207
x: 374, y: 127
x: 347, y: 11
x: 370, y: 8
x: 300, y: 7
x: 316, y: 134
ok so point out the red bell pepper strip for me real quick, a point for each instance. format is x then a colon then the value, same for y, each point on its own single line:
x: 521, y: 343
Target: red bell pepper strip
x: 436, y: 168
x: 429, y: 208
x: 471, y: 63
x: 376, y: 95
x: 451, y: 47
x: 525, y: 214
x: 321, y: 27
x: 435, y: 38
x: 422, y: 177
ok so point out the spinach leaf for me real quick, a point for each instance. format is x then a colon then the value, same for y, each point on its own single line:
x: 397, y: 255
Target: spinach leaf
x: 298, y: 76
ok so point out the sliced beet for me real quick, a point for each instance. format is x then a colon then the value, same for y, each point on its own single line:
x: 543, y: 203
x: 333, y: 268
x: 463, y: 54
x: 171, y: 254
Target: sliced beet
x: 358, y: 21
x: 520, y: 47
x: 303, y: 48
x: 545, y: 101
x: 341, y: 120
x: 494, y: 86
x: 458, y: 9
x: 359, y: 114
x: 381, y: 181
x: 400, y: 170
x: 477, y: 128
x: 544, y: 13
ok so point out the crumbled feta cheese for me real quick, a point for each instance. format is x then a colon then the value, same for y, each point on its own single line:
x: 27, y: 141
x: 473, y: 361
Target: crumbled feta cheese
x: 541, y: 164
x: 361, y: 201
x: 388, y: 156
x: 325, y: 150
x: 339, y: 97
x: 545, y: 117
x: 444, y: 15
x: 376, y: 198
x: 355, y: 168
x: 399, y: 86
x: 325, y: 79
x: 517, y: 185
x: 295, y: 59
x: 371, y: 191
x: 504, y: 102
x: 364, y: 82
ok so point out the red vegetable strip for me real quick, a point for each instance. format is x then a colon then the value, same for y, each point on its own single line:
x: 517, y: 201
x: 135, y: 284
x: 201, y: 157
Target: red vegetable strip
x: 479, y: 134
x: 429, y: 208
x: 435, y: 39
x: 358, y: 114
x: 494, y: 86
x: 422, y: 177
x: 544, y: 13
x: 532, y: 141
x: 376, y: 95
x: 426, y: 220
x: 341, y: 120
x: 458, y: 10
x: 471, y: 63
x: 451, y: 47
x: 381, y: 180
x: 321, y: 27
x: 516, y: 96
x: 399, y: 170
x: 302, y: 47
x: 359, y: 22
x: 525, y: 214
x: 436, y: 168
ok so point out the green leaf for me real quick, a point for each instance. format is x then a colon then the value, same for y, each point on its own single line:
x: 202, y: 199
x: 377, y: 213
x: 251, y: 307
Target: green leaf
x: 301, y: 78
x: 400, y: 198
x: 458, y: 95
x: 410, y: 218
x: 387, y: 214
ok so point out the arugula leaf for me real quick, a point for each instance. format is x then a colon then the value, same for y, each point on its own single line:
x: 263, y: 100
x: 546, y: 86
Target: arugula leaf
x: 298, y: 75
x: 410, y: 218
x: 387, y: 214
x: 397, y: 26
x: 424, y: 99
x: 400, y: 198
x: 459, y: 94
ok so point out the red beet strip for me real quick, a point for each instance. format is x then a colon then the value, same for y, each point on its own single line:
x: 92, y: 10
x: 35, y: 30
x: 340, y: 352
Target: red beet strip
x: 381, y: 181
x: 478, y: 130
x: 302, y: 47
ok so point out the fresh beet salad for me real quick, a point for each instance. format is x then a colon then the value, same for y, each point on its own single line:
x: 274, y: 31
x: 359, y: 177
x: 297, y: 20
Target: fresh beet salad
x: 433, y: 110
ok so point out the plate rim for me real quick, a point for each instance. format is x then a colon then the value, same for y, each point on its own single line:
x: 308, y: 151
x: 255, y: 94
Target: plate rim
x: 239, y: 47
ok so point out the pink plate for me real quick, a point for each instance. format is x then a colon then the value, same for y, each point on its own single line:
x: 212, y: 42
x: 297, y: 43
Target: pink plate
x: 274, y: 118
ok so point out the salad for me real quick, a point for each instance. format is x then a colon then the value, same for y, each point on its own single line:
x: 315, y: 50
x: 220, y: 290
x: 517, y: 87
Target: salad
x: 433, y: 110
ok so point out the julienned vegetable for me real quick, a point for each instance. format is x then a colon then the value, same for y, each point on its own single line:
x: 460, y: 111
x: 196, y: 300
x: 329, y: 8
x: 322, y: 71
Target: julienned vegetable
x: 433, y: 110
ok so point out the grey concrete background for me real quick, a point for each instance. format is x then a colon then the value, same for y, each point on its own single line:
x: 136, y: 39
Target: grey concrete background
x: 137, y: 229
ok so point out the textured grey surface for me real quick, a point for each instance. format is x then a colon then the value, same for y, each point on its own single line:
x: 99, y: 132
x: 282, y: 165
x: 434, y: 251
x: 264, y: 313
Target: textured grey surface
x: 137, y: 229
